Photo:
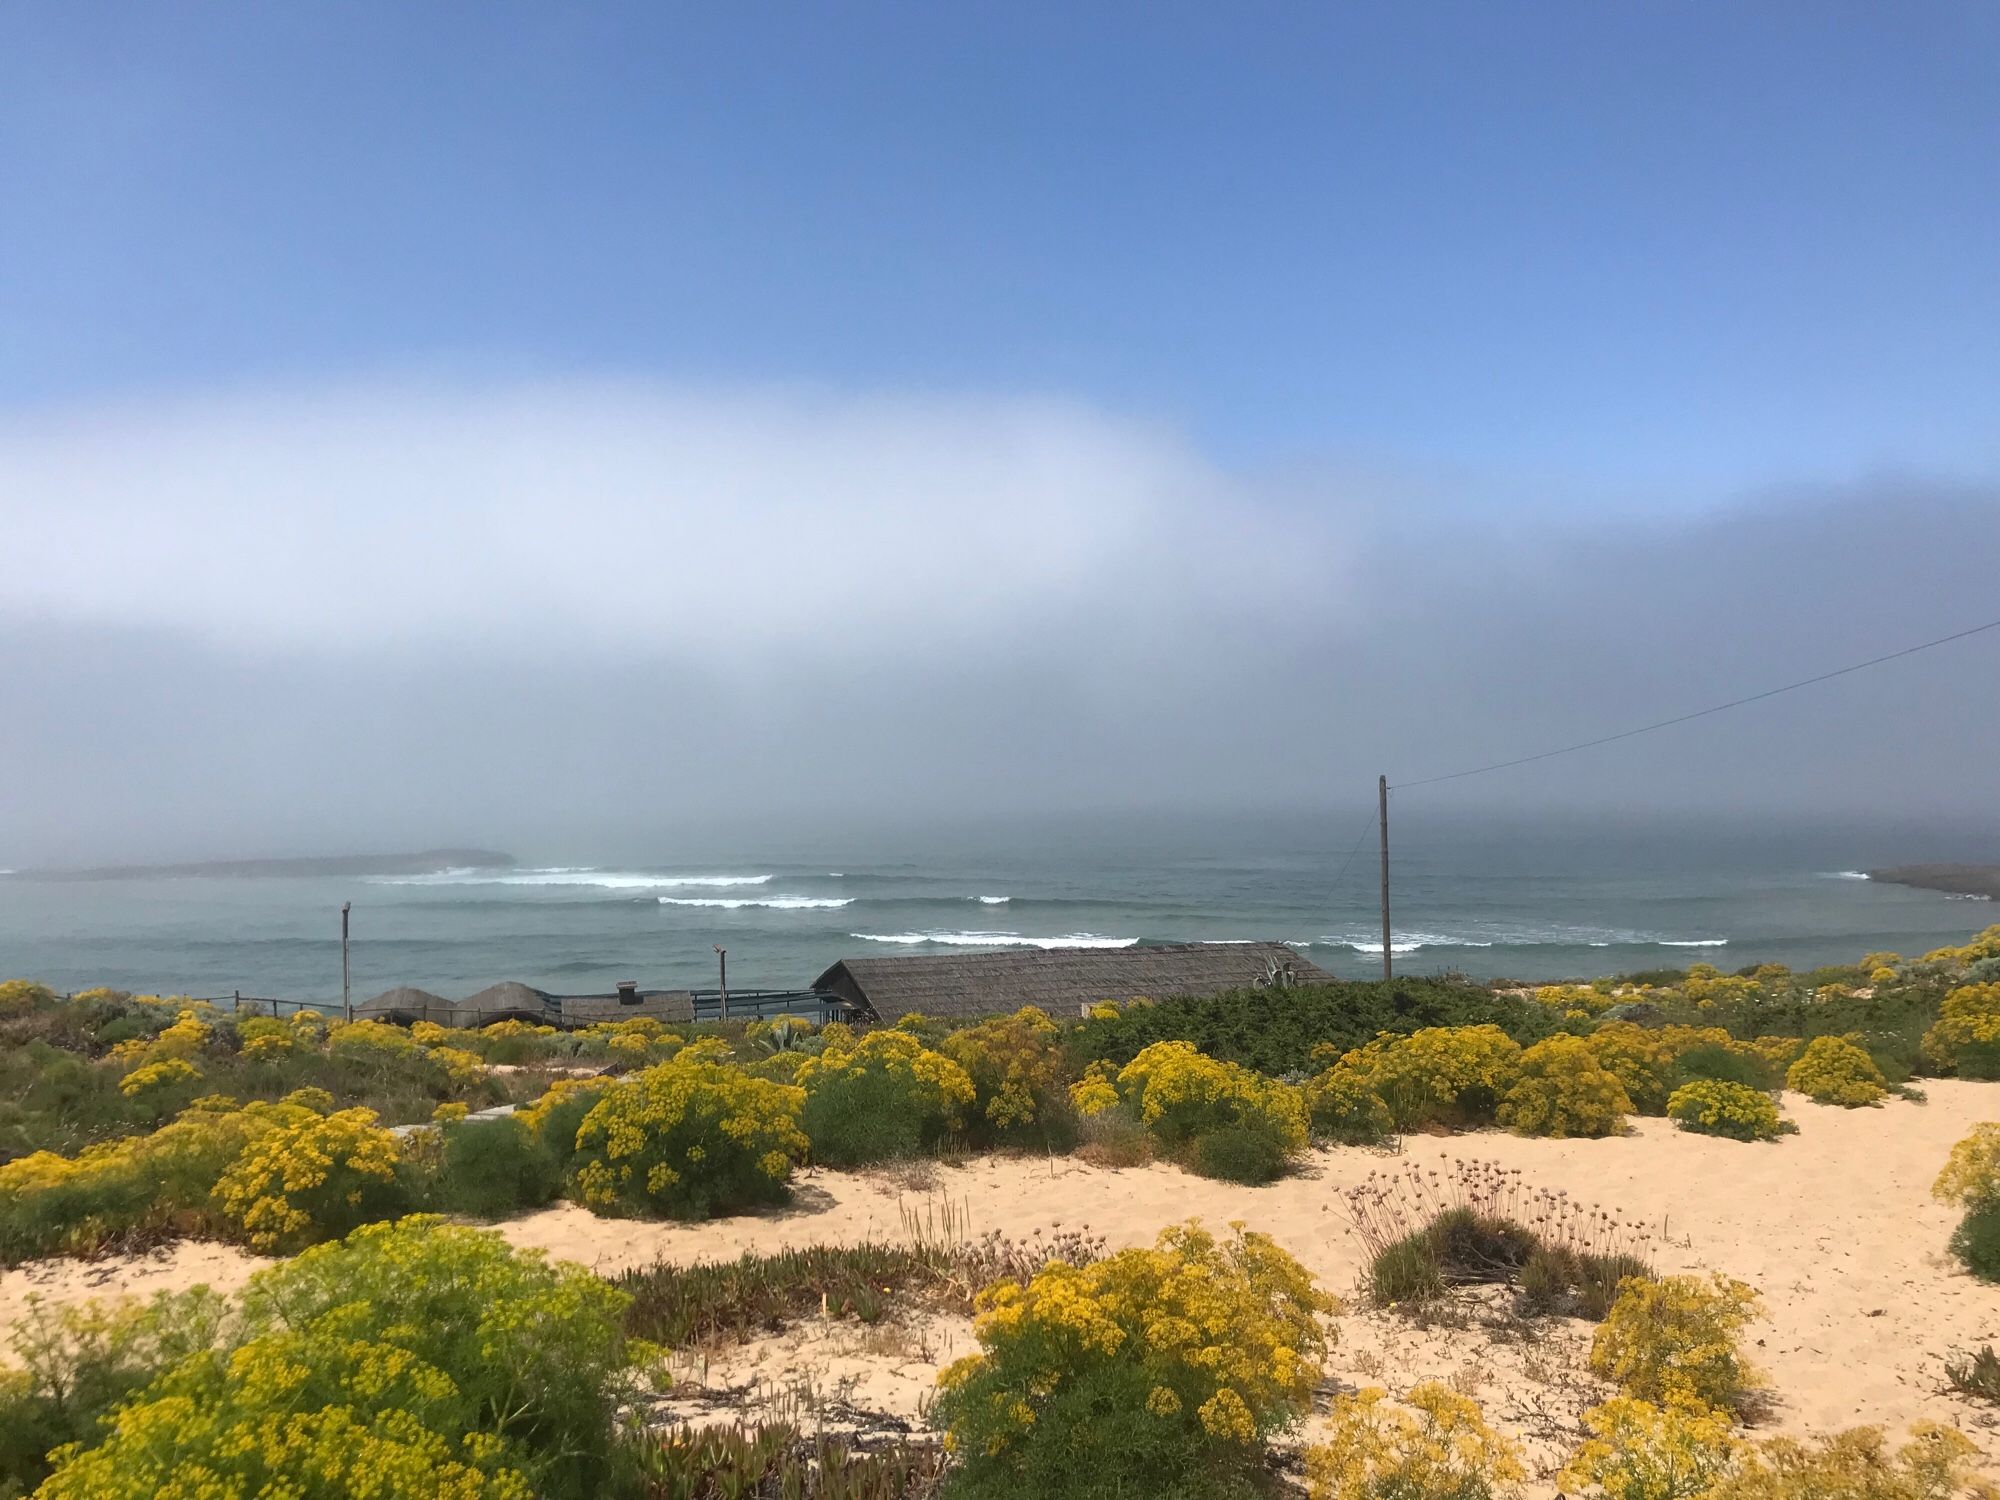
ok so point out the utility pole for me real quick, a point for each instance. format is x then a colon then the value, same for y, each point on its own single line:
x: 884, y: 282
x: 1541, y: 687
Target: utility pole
x: 1388, y: 960
x: 722, y: 965
x: 346, y: 1004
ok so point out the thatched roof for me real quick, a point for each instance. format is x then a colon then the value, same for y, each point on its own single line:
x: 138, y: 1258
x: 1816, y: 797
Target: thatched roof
x: 660, y: 1005
x: 405, y: 1003
x: 509, y: 996
x: 1060, y: 981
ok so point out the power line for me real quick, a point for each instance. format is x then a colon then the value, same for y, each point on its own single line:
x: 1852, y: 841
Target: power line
x: 1701, y: 713
x: 1366, y: 824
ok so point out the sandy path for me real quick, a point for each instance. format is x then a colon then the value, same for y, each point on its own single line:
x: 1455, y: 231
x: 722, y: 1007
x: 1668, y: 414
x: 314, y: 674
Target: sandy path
x: 1835, y: 1226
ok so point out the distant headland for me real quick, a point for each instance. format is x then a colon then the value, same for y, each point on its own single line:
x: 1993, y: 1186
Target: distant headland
x: 1956, y: 880
x: 428, y: 862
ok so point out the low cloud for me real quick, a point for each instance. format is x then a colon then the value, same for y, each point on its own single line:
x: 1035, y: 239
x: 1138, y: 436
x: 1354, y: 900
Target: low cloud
x: 566, y: 615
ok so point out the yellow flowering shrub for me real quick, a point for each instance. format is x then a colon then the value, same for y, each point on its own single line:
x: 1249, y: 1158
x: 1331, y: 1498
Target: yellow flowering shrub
x: 309, y: 1026
x: 449, y: 1113
x: 1574, y: 999
x: 313, y: 1179
x: 369, y: 1042
x: 1936, y: 1463
x: 1095, y: 1092
x: 415, y: 1361
x: 689, y: 1138
x: 1709, y: 1106
x: 318, y: 1100
x: 1439, y: 1448
x: 1966, y: 1038
x: 1163, y: 1370
x: 1776, y: 1052
x: 1675, y: 1339
x: 1835, y: 1070
x: 24, y: 994
x: 430, y: 1034
x: 1640, y: 1451
x: 1181, y: 1095
x: 1343, y: 1106
x: 155, y: 1078
x: 187, y: 1036
x: 458, y: 1068
x: 1971, y: 1173
x: 1641, y: 1058
x: 1016, y: 1066
x: 886, y: 1096
x: 271, y: 1047
x: 140, y: 1186
x: 1564, y: 1091
x: 1455, y: 1075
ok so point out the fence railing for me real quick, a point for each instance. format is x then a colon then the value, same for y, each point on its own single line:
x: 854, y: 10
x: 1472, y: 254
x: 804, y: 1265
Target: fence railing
x: 743, y: 1005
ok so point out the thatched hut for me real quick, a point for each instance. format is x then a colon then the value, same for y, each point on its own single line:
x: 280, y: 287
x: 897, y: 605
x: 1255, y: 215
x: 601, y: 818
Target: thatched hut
x: 406, y: 1004
x: 1063, y: 981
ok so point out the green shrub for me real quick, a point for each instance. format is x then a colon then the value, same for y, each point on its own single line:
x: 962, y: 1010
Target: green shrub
x: 72, y: 1366
x: 885, y: 1097
x: 417, y: 1358
x: 689, y: 1138
x: 1293, y: 1031
x: 1345, y: 1109
x: 1976, y: 1241
x: 1715, y: 1063
x: 720, y: 1463
x: 1966, y: 1038
x: 1250, y: 1154
x: 1711, y: 1107
x: 487, y: 1168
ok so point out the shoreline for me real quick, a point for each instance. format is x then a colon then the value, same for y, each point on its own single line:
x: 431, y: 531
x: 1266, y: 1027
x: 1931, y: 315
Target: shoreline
x: 1981, y: 881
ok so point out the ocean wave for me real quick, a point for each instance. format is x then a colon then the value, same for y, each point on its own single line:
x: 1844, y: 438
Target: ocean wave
x: 1843, y: 875
x: 995, y: 939
x: 562, y: 875
x: 1410, y: 942
x: 992, y: 900
x: 775, y: 903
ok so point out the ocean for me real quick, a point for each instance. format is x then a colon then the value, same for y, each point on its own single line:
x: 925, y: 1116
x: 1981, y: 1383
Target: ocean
x: 1497, y: 896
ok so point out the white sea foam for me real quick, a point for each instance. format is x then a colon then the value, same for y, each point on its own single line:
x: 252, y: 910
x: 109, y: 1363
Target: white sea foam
x: 775, y: 903
x: 995, y: 939
x: 1844, y: 875
x: 1694, y: 942
x: 993, y: 900
x: 610, y: 880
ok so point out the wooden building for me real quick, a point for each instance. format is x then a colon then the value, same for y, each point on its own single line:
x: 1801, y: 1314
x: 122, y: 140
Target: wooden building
x: 1063, y: 981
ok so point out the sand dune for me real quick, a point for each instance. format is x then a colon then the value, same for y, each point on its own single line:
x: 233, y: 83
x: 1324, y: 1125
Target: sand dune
x: 1835, y: 1226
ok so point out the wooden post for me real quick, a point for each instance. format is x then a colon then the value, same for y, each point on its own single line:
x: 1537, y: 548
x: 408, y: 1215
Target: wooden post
x: 722, y: 964
x: 347, y: 1004
x: 1388, y: 959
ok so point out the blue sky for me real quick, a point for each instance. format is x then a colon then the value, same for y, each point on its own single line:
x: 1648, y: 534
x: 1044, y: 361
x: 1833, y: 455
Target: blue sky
x: 1634, y: 255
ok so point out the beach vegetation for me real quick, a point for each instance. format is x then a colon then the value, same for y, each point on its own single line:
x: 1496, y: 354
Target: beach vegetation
x: 313, y: 1178
x: 1161, y: 1371
x: 1966, y: 1038
x: 1708, y: 1106
x: 1452, y: 1076
x: 1639, y: 1450
x: 1933, y: 1463
x: 1344, y: 1108
x: 723, y: 1463
x: 1837, y: 1070
x: 1020, y: 1072
x: 1677, y: 1339
x: 416, y: 1358
x: 1563, y: 1090
x: 1184, y: 1097
x: 1433, y: 1445
x: 885, y: 1097
x: 688, y: 1138
x: 489, y: 1168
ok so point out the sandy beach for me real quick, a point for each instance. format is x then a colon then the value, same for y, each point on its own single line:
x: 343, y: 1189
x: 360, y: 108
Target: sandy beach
x: 1835, y: 1226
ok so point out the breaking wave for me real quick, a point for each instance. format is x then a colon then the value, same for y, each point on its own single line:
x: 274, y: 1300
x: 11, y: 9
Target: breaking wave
x: 992, y: 900
x: 995, y: 939
x: 775, y: 903
x: 1844, y: 875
